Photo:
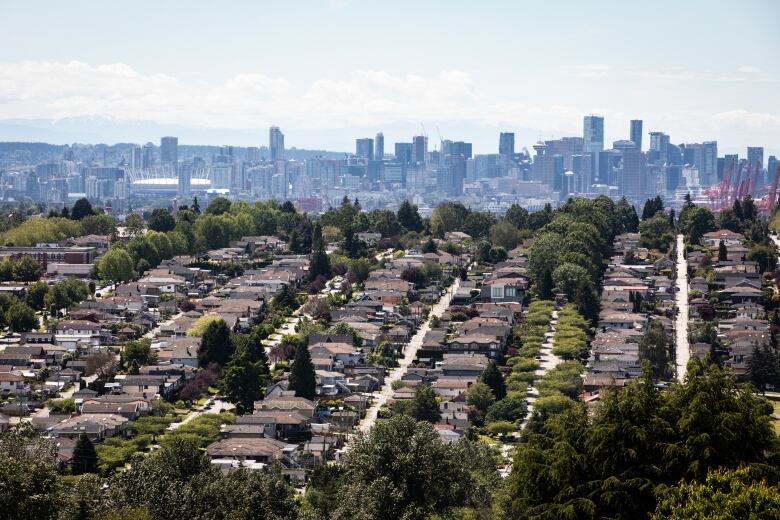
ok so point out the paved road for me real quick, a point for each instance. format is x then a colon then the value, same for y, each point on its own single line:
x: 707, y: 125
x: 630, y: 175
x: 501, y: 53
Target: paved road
x: 217, y: 407
x: 410, y: 353
x: 683, y: 353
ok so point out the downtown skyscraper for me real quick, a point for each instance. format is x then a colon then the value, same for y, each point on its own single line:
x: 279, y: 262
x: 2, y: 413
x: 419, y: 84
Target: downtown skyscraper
x: 275, y: 144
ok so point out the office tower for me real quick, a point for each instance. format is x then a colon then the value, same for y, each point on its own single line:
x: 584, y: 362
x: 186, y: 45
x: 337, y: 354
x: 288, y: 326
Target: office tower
x: 755, y: 156
x: 593, y: 138
x: 659, y: 148
x: 460, y: 149
x: 704, y: 156
x: 147, y: 158
x: 379, y: 147
x: 185, y: 180
x: 403, y: 153
x: 276, y: 144
x: 253, y: 154
x: 565, y: 147
x: 506, y: 144
x: 364, y: 148
x: 636, y: 133
x: 772, y: 165
x: 169, y: 150
x: 630, y: 172
x: 136, y: 153
x: 419, y: 148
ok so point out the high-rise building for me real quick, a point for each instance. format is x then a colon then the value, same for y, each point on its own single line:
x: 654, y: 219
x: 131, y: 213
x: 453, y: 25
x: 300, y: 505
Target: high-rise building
x: 704, y: 156
x: 419, y: 148
x: 772, y: 165
x: 147, y: 158
x: 659, y: 144
x: 755, y: 156
x: 169, y: 150
x: 364, y: 148
x: 185, y: 180
x: 379, y: 147
x: 593, y: 138
x: 506, y: 144
x: 636, y: 133
x: 403, y: 153
x: 253, y: 154
x: 136, y: 152
x: 276, y: 144
x: 460, y: 149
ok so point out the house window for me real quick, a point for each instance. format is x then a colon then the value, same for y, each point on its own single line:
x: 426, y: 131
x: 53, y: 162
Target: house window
x: 509, y: 291
x: 497, y: 292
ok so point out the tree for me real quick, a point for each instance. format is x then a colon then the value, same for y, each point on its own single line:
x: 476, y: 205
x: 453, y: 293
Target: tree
x: 302, y: 377
x: 429, y: 246
x: 67, y: 292
x: 319, y: 262
x: 139, y: 352
x: 695, y: 222
x: 30, y: 486
x: 241, y: 383
x: 81, y: 209
x: 507, y: 409
x: 21, y: 318
x: 763, y: 370
x: 215, y: 345
x: 101, y: 224
x: 36, y: 295
x: 478, y: 224
x: 135, y: 225
x: 414, y: 275
x: 723, y: 253
x: 765, y: 256
x: 385, y: 222
x: 84, y: 456
x: 449, y: 216
x: 652, y: 207
x: 628, y: 221
x: 725, y: 494
x: 506, y: 235
x: 26, y: 269
x: 542, y: 261
x: 517, y: 216
x: 480, y: 396
x: 655, y: 233
x: 409, y: 218
x: 218, y: 206
x: 424, y: 406
x: 358, y: 271
x: 654, y: 349
x: 116, y: 265
x: 493, y: 378
x: 401, y: 469
x: 141, y: 248
x: 161, y: 220
x: 285, y: 300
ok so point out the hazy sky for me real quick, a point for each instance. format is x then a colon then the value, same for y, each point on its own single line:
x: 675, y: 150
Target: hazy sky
x: 327, y: 70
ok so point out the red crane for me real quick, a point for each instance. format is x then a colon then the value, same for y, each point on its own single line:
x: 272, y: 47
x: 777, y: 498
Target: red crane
x: 773, y: 193
x: 724, y: 186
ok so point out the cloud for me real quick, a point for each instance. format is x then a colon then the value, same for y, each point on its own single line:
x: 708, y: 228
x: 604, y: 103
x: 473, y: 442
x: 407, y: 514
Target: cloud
x: 749, y: 69
x: 589, y: 71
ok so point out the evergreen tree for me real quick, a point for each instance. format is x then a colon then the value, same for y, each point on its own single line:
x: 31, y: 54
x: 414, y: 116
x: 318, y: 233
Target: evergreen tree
x: 424, y: 406
x: 654, y: 349
x: 429, y: 246
x: 215, y: 345
x: 409, y: 218
x: 81, y: 209
x: 763, y: 370
x: 723, y: 253
x: 493, y: 378
x: 294, y: 244
x: 241, y: 381
x: 302, y: 377
x: 195, y: 206
x: 319, y: 261
x: 737, y: 208
x: 84, y: 456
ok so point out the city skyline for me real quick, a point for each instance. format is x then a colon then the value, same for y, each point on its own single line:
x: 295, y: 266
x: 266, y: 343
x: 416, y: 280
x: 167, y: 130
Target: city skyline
x: 690, y: 82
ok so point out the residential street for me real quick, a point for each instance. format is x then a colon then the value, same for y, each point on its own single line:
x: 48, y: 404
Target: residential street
x: 547, y: 363
x: 410, y: 353
x: 681, y: 323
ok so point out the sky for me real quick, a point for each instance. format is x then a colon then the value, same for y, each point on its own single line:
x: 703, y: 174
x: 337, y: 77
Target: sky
x: 328, y: 71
